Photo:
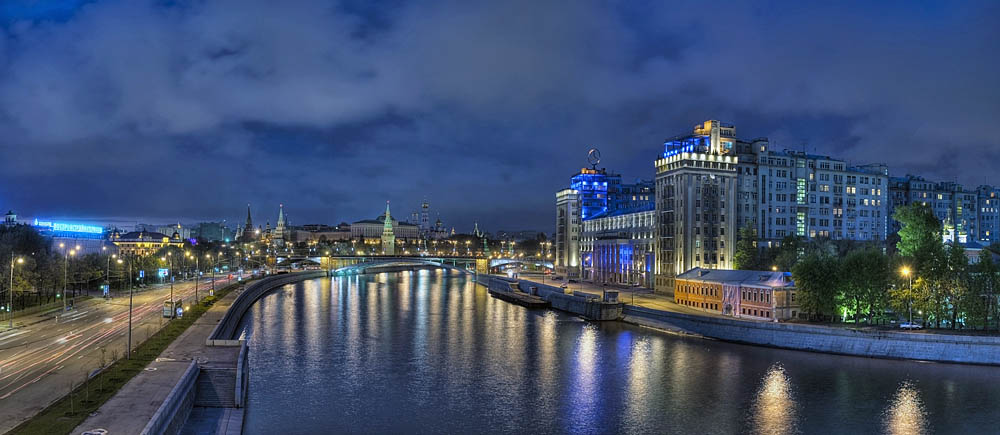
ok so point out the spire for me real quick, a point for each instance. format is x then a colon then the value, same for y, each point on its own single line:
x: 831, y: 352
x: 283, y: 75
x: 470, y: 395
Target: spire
x: 281, y: 214
x: 388, y: 238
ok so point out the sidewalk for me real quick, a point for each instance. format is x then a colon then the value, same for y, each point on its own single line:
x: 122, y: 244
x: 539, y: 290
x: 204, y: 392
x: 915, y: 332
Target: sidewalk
x: 630, y: 296
x: 134, y: 405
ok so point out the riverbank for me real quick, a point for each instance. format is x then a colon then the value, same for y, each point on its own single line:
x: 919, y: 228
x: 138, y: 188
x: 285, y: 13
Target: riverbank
x: 964, y: 349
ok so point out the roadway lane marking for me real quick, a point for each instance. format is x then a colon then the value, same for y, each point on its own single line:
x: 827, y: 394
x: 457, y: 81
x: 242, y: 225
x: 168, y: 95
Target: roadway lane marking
x: 12, y: 335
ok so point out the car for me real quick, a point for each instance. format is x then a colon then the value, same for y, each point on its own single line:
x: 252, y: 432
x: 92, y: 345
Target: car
x: 910, y: 325
x: 557, y: 278
x: 573, y: 281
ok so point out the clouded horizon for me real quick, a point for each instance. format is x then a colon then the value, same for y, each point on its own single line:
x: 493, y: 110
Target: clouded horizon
x: 188, y: 110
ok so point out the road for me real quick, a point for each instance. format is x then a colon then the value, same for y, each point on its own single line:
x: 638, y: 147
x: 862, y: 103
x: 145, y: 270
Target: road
x: 39, y: 363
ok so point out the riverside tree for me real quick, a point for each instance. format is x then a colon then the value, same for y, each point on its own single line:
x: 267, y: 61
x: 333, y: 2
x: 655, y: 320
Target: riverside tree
x: 817, y: 280
x: 746, y: 255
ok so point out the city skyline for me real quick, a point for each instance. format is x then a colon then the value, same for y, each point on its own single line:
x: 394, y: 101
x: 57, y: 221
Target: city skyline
x: 236, y: 120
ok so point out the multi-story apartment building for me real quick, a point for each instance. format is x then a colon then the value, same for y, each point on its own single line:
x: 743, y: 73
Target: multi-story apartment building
x: 568, y: 232
x: 696, y: 184
x: 988, y: 198
x: 957, y: 208
x: 791, y: 193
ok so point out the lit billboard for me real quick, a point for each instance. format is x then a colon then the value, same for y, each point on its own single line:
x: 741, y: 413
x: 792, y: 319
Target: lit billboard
x: 69, y: 228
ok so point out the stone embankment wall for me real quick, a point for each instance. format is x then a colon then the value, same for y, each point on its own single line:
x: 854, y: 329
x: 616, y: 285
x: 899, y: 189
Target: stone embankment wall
x: 586, y: 305
x: 225, y: 332
x: 876, y: 344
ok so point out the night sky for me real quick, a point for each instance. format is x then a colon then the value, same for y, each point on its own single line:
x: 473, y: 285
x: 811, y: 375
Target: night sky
x: 160, y: 111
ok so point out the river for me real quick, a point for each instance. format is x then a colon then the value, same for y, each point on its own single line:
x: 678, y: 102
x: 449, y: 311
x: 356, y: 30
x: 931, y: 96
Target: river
x: 430, y: 352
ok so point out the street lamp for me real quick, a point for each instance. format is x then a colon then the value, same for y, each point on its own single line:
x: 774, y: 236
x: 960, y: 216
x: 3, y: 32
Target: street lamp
x: 906, y: 272
x: 107, y: 271
x: 10, y: 308
x: 212, y: 264
x: 170, y: 275
x: 66, y: 256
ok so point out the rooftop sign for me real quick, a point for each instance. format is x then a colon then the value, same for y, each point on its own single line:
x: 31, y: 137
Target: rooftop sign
x: 69, y: 228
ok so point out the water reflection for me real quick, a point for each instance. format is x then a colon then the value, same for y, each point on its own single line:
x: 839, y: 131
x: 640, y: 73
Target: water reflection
x: 773, y: 412
x: 430, y: 352
x: 906, y: 414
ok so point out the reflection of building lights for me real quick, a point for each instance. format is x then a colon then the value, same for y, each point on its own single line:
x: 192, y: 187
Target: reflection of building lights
x: 906, y: 414
x: 774, y: 406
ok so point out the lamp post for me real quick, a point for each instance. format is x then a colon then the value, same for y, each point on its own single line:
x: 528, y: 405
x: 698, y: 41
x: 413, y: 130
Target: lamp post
x: 906, y: 272
x: 212, y: 265
x: 10, y: 307
x: 107, y: 271
x: 66, y: 256
x: 197, y: 275
x: 128, y: 351
x: 170, y: 275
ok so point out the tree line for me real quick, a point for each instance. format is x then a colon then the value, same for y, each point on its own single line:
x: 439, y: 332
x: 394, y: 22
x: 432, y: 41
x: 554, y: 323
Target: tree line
x: 45, y: 268
x: 861, y: 282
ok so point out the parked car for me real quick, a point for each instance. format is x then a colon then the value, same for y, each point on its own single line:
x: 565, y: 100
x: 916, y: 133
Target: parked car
x: 911, y: 326
x: 557, y: 278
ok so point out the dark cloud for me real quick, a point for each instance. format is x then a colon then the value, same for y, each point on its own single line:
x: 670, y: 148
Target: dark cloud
x: 190, y: 109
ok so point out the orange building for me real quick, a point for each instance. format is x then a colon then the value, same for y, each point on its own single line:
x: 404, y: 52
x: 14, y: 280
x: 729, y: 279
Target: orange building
x: 751, y: 294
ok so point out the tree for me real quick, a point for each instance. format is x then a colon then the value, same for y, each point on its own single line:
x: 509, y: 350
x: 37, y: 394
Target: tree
x: 956, y: 281
x: 865, y: 281
x: 745, y: 257
x: 986, y: 280
x: 789, y: 252
x: 919, y: 236
x: 816, y: 279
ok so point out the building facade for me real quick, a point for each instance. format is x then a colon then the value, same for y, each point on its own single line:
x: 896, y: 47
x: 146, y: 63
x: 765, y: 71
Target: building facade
x: 695, y: 203
x: 617, y: 248
x: 567, y: 243
x: 966, y: 215
x: 747, y: 294
x: 143, y: 243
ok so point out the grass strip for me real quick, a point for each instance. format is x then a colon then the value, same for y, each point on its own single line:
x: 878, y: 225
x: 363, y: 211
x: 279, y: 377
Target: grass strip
x: 65, y: 414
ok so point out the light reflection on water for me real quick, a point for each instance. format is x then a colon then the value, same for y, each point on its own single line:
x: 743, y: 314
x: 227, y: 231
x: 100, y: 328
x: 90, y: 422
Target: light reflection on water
x: 429, y: 352
x: 905, y: 414
x: 773, y: 412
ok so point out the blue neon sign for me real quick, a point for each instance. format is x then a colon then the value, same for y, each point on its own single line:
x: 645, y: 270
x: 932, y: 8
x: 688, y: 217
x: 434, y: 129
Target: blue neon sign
x: 69, y: 228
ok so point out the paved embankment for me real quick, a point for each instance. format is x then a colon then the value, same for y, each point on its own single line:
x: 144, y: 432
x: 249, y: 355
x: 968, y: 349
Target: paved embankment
x: 876, y: 344
x: 203, y: 373
x: 171, y: 376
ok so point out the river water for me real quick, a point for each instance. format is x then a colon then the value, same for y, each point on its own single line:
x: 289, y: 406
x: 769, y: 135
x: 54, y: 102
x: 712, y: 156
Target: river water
x: 430, y: 352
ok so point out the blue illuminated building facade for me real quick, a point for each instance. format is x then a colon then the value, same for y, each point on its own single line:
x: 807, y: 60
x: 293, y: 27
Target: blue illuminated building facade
x: 82, y: 238
x: 593, y: 186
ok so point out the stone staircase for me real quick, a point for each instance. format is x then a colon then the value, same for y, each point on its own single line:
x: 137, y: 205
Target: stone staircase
x: 216, y: 388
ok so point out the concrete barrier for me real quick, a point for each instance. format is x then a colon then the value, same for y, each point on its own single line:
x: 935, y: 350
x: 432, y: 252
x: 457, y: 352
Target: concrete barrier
x: 173, y: 412
x: 224, y: 333
x: 876, y: 344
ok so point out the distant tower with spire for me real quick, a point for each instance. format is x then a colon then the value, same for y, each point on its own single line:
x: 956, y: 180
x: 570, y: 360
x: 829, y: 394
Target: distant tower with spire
x: 280, y: 232
x: 247, y: 233
x: 388, y: 238
x: 425, y: 219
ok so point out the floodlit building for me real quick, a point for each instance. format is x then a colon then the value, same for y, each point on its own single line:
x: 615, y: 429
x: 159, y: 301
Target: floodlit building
x: 747, y: 294
x: 388, y: 238
x: 617, y: 247
x: 695, y: 202
x: 568, y: 233
x: 143, y: 243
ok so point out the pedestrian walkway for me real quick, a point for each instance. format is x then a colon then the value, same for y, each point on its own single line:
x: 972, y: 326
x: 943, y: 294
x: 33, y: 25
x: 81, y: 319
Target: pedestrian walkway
x: 135, y: 404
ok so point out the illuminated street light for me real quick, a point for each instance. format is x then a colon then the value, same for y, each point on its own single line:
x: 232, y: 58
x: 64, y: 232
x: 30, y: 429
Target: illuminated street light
x: 906, y: 272
x: 10, y: 307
